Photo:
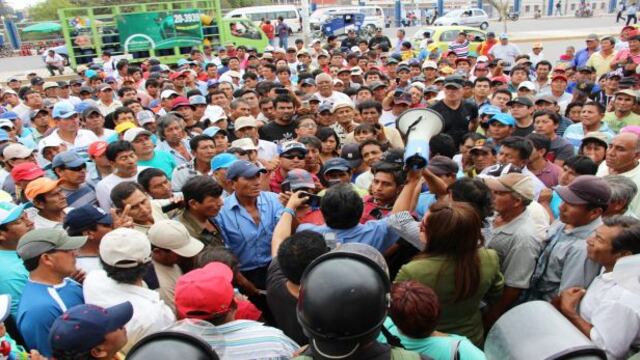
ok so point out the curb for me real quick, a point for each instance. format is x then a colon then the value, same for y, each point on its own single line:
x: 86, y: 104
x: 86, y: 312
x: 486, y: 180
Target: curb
x: 558, y: 37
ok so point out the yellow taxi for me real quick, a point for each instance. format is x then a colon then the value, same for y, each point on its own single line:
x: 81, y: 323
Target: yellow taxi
x: 441, y: 36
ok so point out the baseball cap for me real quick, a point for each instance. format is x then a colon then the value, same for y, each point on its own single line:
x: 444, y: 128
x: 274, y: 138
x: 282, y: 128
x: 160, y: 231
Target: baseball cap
x: 103, y: 87
x: 205, y: 292
x: 167, y: 94
x: 68, y: 159
x: 124, y: 126
x: 222, y: 161
x: 86, y: 89
x: 50, y: 141
x: 26, y: 171
x: 16, y: 151
x: 197, y: 100
x: 39, y: 186
x: 453, y: 81
x: 40, y: 241
x: 125, y: 248
x: 6, y: 124
x: 559, y: 77
x: 131, y: 134
x: 336, y: 164
x: 341, y: 104
x: 585, y: 189
x: 37, y: 80
x: 172, y: 235
x: 628, y: 92
x: 483, y: 145
x: 527, y: 85
x: 503, y: 118
x: 83, y: 217
x: 429, y: 64
x: 351, y: 153
x: 85, y: 326
x: 324, y: 107
x: 393, y: 157
x: 585, y: 87
x: 442, y: 165
x: 212, y: 131
x: 405, y: 98
x: 178, y: 74
x: 522, y: 100
x: 488, y: 109
x: 431, y: 89
x: 308, y: 81
x: 545, y: 98
x: 517, y: 183
x: 504, y: 36
x: 593, y: 37
x: 596, y: 136
x: 244, y: 144
x: 299, y: 179
x: 290, y: 146
x: 63, y: 110
x: 243, y: 168
x: 9, y: 212
x: 90, y: 110
x: 49, y: 85
x: 145, y: 117
x: 356, y: 71
x: 97, y: 148
x: 245, y: 121
x: 376, y: 85
x: 499, y: 79
x: 180, y: 101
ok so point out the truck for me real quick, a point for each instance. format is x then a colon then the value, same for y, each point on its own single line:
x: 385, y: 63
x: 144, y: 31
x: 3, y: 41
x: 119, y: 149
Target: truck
x: 167, y: 31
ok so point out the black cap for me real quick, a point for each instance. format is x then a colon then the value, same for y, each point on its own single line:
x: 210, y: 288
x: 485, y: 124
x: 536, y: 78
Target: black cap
x: 37, y: 80
x: 522, y: 100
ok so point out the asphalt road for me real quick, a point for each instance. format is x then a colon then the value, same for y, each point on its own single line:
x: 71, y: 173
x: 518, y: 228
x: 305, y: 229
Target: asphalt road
x: 552, y: 49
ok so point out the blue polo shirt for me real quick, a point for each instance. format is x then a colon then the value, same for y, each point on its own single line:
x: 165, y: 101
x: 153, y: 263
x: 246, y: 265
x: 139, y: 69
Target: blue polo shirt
x: 161, y: 160
x: 249, y: 241
x: 40, y: 305
x: 13, y: 277
x: 375, y: 233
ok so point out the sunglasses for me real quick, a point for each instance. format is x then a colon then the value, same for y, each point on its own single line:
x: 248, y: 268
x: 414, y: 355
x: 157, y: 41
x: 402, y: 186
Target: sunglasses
x: 293, y: 156
x: 77, y: 168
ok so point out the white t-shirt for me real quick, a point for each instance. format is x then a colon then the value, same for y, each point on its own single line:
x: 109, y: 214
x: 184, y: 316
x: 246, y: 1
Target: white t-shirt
x: 104, y: 187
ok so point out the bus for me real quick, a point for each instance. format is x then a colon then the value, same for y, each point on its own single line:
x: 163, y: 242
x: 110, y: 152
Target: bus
x: 167, y: 31
x: 289, y: 13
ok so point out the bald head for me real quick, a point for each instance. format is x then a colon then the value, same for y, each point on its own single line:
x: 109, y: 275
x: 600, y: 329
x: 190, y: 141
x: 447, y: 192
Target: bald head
x: 622, y: 155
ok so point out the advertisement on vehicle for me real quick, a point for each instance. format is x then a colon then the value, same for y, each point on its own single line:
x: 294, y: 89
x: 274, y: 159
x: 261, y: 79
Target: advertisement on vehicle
x: 160, y: 30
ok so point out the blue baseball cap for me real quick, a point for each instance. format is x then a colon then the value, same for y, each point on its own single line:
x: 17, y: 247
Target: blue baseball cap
x: 243, y: 168
x: 182, y: 62
x: 90, y: 73
x: 489, y: 110
x: 211, y: 131
x: 222, y: 161
x: 68, y: 159
x: 83, y: 217
x: 336, y: 164
x: 85, y: 326
x: 504, y: 119
x: 289, y: 146
x: 197, y: 100
x: 9, y: 212
x: 9, y: 115
x: 63, y: 110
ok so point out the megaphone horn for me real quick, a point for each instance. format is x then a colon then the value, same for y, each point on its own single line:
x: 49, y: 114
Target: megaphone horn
x: 418, y: 126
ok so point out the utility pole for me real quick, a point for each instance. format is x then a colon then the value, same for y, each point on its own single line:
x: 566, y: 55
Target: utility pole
x: 306, y: 28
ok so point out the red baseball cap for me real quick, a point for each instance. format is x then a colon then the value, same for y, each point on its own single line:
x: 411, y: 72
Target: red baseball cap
x: 26, y: 171
x: 205, y: 292
x: 559, y: 77
x: 180, y: 101
x: 97, y: 148
x: 177, y: 74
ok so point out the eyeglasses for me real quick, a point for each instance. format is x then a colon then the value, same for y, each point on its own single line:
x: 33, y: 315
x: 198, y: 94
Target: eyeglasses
x: 293, y: 156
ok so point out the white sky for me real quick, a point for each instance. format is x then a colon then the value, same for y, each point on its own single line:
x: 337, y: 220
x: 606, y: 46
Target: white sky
x: 21, y: 4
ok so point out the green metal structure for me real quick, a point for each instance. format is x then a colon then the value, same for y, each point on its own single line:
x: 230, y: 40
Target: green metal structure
x: 90, y: 31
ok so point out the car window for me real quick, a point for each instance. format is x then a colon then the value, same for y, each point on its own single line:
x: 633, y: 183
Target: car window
x: 448, y: 36
x: 477, y: 13
x: 477, y: 35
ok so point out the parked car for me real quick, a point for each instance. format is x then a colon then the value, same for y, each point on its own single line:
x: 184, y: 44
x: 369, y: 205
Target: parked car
x: 466, y: 17
x: 441, y: 36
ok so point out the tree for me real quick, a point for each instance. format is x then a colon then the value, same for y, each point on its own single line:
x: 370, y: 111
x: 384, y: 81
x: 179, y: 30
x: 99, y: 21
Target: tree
x: 503, y: 10
x: 47, y: 10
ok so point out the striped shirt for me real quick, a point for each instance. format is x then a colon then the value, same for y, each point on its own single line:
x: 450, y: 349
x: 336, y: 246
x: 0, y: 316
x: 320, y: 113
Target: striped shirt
x: 461, y: 50
x: 241, y: 339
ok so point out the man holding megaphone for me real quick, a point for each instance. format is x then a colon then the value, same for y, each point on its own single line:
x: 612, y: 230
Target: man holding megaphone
x: 460, y: 117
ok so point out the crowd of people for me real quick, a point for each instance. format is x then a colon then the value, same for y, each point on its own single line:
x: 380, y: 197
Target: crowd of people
x: 258, y: 200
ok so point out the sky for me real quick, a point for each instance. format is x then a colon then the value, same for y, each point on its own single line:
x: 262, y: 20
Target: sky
x: 21, y: 4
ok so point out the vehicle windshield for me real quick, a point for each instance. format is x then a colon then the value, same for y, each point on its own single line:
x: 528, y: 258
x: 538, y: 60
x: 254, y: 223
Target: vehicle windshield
x: 453, y: 13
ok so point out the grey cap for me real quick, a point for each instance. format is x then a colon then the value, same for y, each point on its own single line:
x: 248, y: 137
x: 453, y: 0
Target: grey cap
x: 39, y: 241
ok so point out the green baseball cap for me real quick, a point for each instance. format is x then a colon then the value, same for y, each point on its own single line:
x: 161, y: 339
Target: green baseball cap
x: 39, y: 241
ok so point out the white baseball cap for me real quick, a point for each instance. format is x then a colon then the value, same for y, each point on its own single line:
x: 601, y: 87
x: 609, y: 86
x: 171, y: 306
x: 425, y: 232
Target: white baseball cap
x: 133, y: 133
x: 172, y: 235
x: 16, y: 151
x: 244, y: 144
x: 125, y: 248
x: 245, y: 121
x: 167, y: 93
x: 527, y: 85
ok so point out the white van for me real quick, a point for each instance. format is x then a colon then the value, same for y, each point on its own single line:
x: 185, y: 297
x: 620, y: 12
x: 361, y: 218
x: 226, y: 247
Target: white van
x: 374, y: 16
x: 289, y: 13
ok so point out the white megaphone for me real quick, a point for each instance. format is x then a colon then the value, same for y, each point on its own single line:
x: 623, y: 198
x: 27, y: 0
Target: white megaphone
x: 418, y: 126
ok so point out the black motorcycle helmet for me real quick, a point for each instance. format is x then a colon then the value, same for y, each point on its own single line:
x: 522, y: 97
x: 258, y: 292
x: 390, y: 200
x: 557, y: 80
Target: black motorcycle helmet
x: 171, y: 345
x: 343, y: 302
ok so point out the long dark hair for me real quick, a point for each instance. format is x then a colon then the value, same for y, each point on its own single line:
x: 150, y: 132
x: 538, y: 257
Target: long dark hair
x: 454, y: 230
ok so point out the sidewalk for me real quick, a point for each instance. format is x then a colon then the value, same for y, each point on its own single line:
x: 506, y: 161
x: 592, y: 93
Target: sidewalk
x: 550, y: 35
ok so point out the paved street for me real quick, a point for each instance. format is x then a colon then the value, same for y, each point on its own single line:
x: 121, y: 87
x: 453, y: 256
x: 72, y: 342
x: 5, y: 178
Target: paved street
x: 555, y: 33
